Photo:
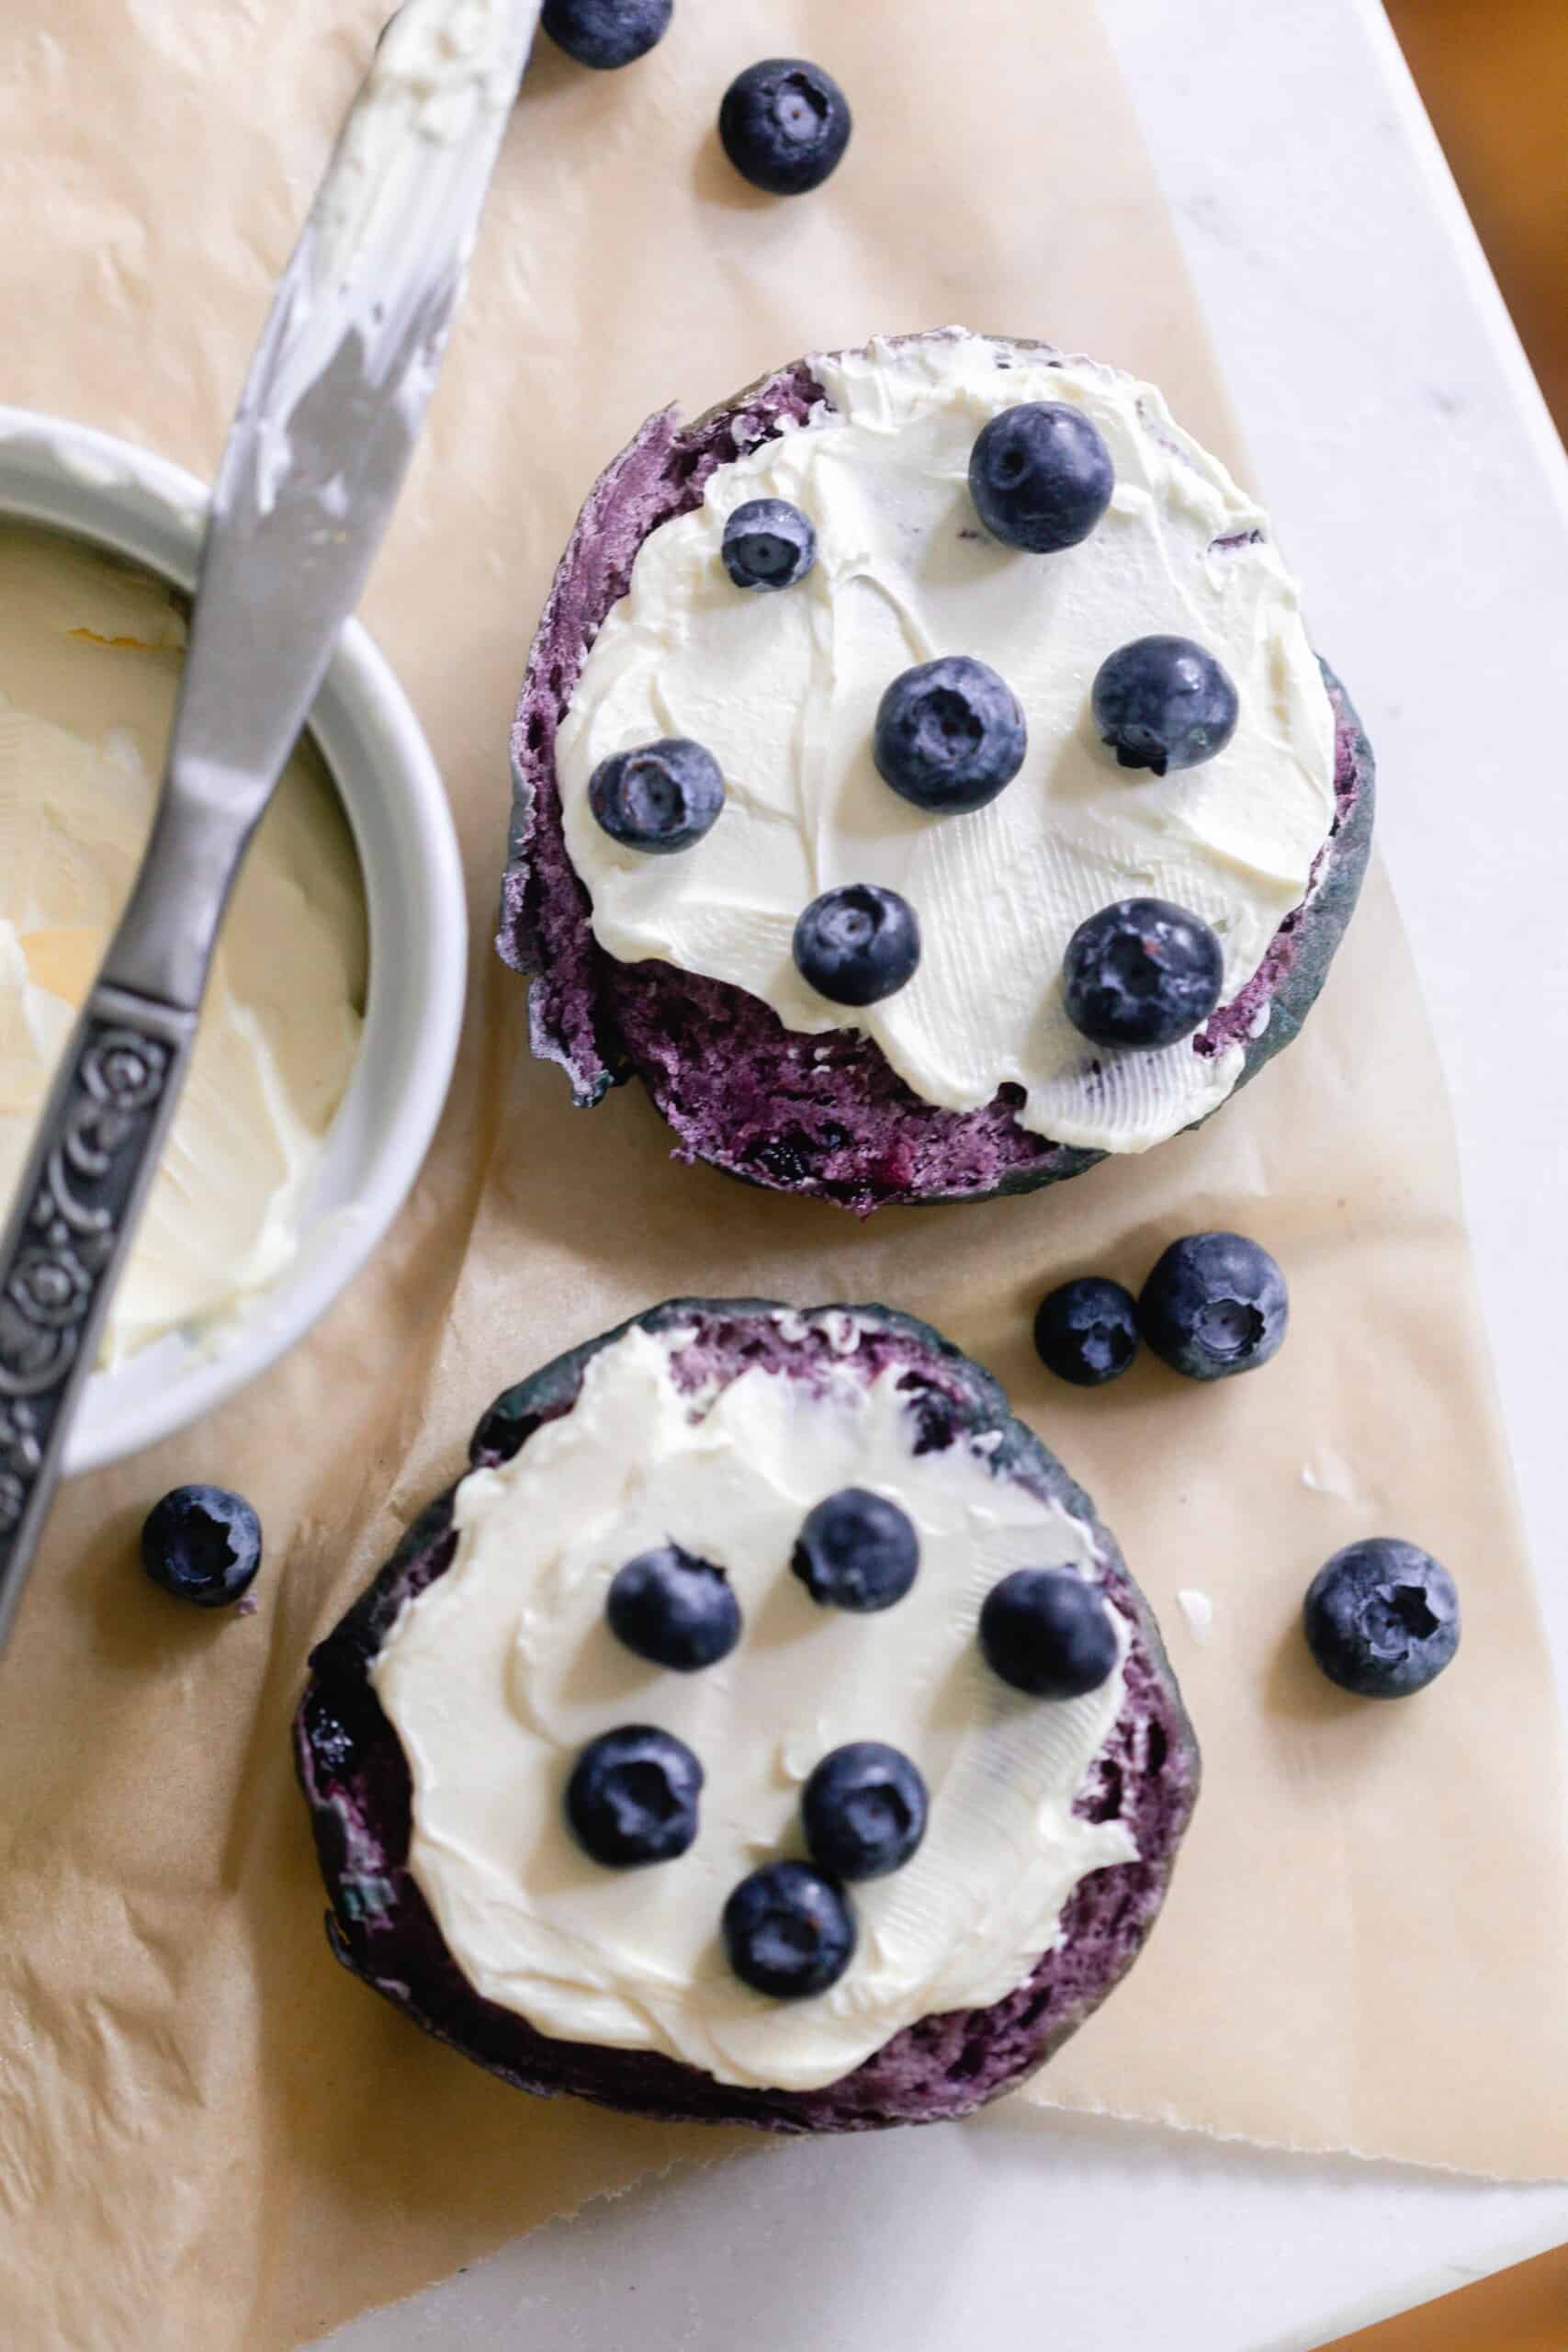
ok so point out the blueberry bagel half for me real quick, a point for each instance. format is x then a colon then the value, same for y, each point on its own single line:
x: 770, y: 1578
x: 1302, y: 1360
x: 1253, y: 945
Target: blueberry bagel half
x: 991, y: 809
x: 766, y: 1730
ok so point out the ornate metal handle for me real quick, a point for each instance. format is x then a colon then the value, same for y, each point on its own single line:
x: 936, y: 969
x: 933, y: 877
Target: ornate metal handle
x: 95, y: 1154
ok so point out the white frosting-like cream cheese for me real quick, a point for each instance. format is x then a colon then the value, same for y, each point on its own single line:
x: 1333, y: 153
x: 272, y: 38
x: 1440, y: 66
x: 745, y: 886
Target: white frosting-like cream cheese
x: 90, y: 656
x: 782, y: 689
x: 449, y: 71
x: 496, y: 1675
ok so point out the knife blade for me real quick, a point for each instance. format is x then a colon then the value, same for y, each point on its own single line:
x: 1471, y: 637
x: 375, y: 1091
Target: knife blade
x: 314, y: 461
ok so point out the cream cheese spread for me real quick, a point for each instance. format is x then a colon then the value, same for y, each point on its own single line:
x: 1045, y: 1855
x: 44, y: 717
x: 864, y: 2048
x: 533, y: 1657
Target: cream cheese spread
x: 496, y: 1675
x: 445, y: 69
x: 90, y: 657
x: 782, y: 689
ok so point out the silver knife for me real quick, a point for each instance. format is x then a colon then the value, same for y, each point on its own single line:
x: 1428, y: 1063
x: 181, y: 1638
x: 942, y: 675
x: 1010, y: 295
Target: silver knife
x: 326, y: 425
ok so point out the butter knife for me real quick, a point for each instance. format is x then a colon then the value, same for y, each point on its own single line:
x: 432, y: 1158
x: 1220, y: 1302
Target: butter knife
x: 314, y: 461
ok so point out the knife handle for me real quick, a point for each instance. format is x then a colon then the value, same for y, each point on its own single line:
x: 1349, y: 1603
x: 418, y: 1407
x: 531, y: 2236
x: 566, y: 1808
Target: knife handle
x: 94, y: 1156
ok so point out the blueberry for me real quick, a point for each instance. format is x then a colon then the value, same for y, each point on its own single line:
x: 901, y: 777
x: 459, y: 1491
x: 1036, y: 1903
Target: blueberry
x: 856, y: 1551
x: 202, y: 1543
x: 858, y: 943
x: 1087, y: 1331
x: 606, y: 33
x: 950, y: 735
x: 788, y: 1931
x: 1163, y: 702
x: 1215, y: 1304
x: 1141, y: 973
x: 1049, y: 1633
x: 659, y: 797
x: 1382, y: 1617
x: 1041, y: 476
x: 865, y: 1811
x: 673, y: 1608
x: 784, y: 125
x: 768, y: 543
x: 633, y: 1795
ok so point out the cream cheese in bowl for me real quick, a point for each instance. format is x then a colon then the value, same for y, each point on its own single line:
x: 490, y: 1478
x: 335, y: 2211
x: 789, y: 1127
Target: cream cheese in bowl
x: 330, y: 1027
x: 90, y: 661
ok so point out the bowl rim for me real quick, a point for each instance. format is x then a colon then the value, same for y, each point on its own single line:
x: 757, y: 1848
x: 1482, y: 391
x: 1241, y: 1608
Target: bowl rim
x: 109, y: 491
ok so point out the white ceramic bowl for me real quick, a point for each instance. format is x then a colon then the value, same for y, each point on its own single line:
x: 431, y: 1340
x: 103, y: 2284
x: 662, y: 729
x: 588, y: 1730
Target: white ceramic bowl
x: 115, y: 496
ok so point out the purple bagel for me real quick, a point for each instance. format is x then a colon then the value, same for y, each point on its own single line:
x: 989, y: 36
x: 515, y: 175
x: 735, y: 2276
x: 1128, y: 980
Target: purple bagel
x: 352, y: 1769
x: 822, y: 1115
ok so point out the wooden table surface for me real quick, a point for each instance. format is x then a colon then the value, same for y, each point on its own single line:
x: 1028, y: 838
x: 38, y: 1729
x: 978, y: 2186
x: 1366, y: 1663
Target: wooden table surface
x: 1523, y: 2310
x: 1494, y: 76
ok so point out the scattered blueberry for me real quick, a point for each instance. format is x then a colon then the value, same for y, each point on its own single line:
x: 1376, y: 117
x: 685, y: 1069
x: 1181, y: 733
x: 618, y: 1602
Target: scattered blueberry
x: 865, y: 1811
x: 202, y: 1543
x: 788, y: 1931
x: 1041, y: 476
x: 1163, y: 702
x: 768, y: 543
x: 1382, y: 1617
x: 673, y: 1608
x: 856, y: 1551
x: 1049, y: 1633
x: 858, y: 943
x: 1087, y: 1331
x: 1215, y: 1304
x: 659, y: 797
x: 784, y: 125
x: 1141, y: 973
x: 633, y: 1796
x: 606, y: 33
x: 950, y: 735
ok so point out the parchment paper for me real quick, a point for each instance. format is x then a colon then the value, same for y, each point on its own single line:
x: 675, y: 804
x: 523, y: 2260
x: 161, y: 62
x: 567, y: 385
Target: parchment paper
x: 211, y: 2136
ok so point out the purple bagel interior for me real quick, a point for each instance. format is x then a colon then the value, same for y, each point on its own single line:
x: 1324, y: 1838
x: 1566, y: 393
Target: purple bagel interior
x: 821, y: 1115
x: 352, y: 1769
